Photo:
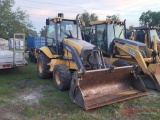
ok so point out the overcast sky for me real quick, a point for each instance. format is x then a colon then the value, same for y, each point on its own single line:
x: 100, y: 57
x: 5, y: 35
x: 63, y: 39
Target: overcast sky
x: 130, y: 10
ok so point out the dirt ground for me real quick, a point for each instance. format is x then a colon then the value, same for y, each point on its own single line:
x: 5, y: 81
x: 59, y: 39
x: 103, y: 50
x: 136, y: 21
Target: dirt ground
x: 24, y: 96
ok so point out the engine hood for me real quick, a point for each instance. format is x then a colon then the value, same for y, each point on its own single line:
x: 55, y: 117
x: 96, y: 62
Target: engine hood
x: 84, y: 44
x: 123, y: 41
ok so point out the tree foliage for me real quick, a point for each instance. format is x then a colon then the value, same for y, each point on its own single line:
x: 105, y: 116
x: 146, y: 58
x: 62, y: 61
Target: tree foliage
x: 43, y: 31
x: 113, y: 17
x: 150, y: 18
x: 87, y: 17
x: 13, y: 21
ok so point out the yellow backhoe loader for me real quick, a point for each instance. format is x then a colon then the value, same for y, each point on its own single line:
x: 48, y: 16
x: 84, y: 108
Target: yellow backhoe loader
x: 148, y: 35
x: 109, y: 36
x: 79, y: 66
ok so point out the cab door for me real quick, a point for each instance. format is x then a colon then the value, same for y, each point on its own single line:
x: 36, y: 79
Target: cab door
x: 101, y: 37
x: 51, y: 37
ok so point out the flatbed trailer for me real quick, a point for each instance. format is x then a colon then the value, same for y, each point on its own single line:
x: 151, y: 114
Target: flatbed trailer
x: 12, y: 58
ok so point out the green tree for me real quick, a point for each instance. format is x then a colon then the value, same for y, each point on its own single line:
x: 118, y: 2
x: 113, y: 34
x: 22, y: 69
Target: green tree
x: 43, y: 31
x: 113, y: 17
x: 150, y: 18
x: 13, y: 21
x: 87, y: 18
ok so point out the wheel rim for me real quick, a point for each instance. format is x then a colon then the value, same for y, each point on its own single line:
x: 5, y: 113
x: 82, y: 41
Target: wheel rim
x: 57, y: 78
x: 40, y: 66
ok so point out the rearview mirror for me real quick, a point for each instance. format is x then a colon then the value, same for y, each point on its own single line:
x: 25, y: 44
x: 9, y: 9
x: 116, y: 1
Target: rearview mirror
x: 47, y: 21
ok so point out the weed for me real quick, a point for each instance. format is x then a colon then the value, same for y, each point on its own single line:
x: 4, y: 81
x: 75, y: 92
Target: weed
x: 2, y: 101
x: 30, y: 112
x: 5, y: 90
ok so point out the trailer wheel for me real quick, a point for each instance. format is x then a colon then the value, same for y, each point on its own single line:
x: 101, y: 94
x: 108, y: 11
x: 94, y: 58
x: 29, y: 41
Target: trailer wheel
x: 42, y: 67
x: 30, y: 57
x: 120, y: 63
x: 62, y: 77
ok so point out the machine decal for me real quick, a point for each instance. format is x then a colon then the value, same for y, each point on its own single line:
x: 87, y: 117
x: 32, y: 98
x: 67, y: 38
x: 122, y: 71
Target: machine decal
x: 131, y: 51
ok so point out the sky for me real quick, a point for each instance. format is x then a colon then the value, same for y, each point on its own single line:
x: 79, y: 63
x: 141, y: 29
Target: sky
x: 131, y: 10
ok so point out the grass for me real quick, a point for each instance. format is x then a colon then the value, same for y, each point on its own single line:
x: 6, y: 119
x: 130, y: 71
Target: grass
x: 30, y: 112
x: 55, y: 104
x: 2, y: 101
x: 6, y: 89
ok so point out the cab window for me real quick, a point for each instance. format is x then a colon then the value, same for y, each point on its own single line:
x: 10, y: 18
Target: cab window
x: 101, y: 37
x: 51, y: 35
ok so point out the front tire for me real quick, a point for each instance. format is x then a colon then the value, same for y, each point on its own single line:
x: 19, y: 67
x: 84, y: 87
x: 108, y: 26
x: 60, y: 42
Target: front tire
x: 120, y: 63
x: 42, y: 67
x: 62, y: 77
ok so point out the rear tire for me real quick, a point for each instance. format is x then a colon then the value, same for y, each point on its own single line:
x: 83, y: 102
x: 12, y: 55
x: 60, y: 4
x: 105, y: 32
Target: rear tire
x: 120, y: 63
x: 62, y: 77
x: 42, y: 67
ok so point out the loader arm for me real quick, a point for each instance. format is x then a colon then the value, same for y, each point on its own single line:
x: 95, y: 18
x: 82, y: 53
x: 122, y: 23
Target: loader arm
x: 151, y: 70
x: 134, y: 53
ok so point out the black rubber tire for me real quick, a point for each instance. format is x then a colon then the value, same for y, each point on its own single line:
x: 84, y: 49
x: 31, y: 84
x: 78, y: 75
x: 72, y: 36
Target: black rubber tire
x: 107, y: 63
x: 64, y: 77
x: 34, y: 59
x: 30, y: 57
x: 120, y: 63
x: 42, y: 67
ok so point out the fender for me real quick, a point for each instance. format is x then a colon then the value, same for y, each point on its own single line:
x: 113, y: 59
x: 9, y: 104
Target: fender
x: 35, y: 53
x: 47, y: 52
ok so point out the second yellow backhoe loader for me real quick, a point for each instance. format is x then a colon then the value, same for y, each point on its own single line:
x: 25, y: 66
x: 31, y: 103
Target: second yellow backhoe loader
x: 148, y: 35
x: 79, y: 66
x: 109, y: 36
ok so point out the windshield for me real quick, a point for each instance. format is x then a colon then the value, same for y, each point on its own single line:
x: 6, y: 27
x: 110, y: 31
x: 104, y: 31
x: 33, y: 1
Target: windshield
x: 68, y: 28
x: 119, y: 31
x: 154, y: 32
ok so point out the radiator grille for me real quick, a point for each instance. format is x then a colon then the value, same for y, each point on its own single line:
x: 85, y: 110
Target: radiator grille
x: 85, y: 63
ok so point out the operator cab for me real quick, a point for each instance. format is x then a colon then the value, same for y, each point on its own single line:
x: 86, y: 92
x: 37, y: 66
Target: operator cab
x: 103, y: 33
x: 59, y: 28
x: 145, y: 34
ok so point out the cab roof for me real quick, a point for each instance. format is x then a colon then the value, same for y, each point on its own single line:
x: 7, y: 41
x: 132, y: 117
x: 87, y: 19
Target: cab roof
x: 144, y: 28
x: 106, y: 22
x: 71, y: 19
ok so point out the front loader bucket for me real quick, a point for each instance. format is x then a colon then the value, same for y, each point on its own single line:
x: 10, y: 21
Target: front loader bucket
x: 152, y: 81
x: 97, y: 88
